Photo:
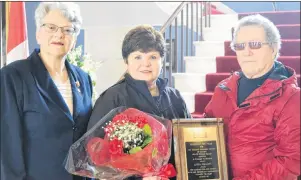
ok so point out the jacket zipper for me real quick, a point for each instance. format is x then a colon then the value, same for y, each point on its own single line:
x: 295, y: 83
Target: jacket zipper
x: 237, y: 109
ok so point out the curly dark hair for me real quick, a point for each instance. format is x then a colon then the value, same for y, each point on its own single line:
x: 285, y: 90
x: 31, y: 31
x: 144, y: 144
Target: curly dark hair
x: 143, y: 38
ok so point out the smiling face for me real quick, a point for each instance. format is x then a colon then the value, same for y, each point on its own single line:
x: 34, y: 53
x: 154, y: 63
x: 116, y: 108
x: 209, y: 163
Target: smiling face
x: 254, y: 62
x: 57, y: 43
x: 144, y: 66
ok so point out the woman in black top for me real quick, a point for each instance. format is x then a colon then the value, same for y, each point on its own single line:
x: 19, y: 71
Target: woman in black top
x: 143, y: 49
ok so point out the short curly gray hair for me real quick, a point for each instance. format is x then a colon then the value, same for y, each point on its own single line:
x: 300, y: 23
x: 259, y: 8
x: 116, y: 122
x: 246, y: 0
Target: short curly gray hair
x: 69, y: 10
x: 272, y: 34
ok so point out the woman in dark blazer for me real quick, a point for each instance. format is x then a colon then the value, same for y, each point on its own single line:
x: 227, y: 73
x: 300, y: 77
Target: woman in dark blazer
x: 45, y: 101
x: 143, y: 49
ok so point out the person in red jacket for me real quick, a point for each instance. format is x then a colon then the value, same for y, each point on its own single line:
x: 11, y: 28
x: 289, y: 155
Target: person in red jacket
x: 260, y: 106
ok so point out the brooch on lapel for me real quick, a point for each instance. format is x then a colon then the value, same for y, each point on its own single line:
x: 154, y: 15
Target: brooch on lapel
x: 77, y: 85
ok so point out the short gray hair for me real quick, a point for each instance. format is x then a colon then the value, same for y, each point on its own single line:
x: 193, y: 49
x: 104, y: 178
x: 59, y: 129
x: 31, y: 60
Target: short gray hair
x: 271, y: 31
x: 69, y: 10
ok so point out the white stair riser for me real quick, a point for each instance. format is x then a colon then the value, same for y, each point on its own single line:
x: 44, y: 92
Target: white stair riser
x: 190, y: 83
x: 217, y: 34
x: 200, y: 65
x: 209, y: 49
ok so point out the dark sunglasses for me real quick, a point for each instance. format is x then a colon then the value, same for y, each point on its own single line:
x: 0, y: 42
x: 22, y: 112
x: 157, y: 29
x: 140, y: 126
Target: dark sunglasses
x: 252, y: 45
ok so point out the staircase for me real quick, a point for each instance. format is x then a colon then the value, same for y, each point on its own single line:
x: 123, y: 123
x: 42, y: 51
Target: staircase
x: 214, y: 60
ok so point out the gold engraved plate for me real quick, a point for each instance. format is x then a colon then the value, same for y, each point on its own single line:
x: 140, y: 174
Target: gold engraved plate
x: 200, y: 151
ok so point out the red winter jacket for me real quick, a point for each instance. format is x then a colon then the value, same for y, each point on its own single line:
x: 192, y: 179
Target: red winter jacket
x: 263, y: 133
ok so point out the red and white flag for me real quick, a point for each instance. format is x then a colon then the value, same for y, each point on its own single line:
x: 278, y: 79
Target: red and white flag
x: 16, y: 32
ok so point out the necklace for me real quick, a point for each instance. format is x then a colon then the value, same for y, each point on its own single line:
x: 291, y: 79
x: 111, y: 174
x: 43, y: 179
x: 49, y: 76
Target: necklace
x: 154, y: 91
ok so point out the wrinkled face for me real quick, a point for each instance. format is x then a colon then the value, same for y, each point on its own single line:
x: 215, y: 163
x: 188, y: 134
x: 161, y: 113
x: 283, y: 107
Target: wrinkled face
x: 52, y: 40
x: 144, y: 66
x: 254, y: 55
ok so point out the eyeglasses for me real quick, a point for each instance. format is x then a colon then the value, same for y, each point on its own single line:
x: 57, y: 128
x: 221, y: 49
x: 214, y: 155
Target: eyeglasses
x: 51, y: 28
x: 252, y: 45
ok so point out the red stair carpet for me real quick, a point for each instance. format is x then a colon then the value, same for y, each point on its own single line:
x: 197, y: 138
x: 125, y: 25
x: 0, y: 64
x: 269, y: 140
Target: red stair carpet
x: 213, y: 10
x: 288, y: 23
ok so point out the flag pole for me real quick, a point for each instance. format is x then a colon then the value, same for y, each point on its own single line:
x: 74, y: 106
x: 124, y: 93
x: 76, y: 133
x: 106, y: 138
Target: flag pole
x: 3, y: 34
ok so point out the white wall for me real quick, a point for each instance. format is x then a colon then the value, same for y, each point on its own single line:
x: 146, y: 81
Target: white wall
x: 104, y: 44
x: 106, y: 24
x: 110, y: 14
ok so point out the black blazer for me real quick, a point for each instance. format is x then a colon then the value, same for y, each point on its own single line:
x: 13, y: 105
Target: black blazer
x: 37, y: 128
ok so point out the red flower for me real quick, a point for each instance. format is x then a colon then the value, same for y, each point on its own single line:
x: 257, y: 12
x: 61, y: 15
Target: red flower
x: 116, y: 148
x: 119, y: 118
x: 140, y: 120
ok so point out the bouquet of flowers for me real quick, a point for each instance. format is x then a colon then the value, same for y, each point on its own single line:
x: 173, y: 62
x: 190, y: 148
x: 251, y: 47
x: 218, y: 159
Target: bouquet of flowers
x: 124, y: 143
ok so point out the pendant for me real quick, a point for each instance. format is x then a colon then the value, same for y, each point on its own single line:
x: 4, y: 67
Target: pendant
x: 77, y: 85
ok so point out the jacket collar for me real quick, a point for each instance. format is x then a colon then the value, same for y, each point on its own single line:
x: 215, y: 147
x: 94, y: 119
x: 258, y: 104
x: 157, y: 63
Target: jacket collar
x: 141, y: 87
x: 48, y: 89
x: 269, y: 90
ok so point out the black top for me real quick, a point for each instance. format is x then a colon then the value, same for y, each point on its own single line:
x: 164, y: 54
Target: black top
x: 135, y: 94
x: 246, y: 86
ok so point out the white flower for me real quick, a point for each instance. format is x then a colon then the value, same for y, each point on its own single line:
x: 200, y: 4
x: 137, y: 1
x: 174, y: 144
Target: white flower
x: 86, y: 63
